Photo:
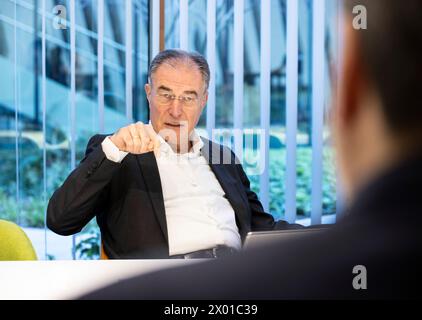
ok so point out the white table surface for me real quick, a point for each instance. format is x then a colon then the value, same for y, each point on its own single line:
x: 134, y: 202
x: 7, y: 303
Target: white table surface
x: 42, y: 280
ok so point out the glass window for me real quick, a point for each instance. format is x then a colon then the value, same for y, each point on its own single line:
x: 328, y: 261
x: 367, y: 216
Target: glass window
x: 39, y: 149
x: 43, y: 137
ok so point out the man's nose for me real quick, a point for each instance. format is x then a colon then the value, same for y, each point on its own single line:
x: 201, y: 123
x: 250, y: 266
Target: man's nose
x: 176, y: 108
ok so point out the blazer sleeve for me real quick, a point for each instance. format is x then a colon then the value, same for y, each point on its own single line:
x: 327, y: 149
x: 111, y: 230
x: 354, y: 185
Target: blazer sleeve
x: 83, y: 194
x: 261, y: 221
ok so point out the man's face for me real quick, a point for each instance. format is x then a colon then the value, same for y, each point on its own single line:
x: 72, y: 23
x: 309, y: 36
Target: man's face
x: 174, y: 119
x: 355, y: 117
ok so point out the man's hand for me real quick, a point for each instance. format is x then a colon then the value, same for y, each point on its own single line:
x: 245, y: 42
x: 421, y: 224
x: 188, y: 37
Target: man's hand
x: 136, y: 138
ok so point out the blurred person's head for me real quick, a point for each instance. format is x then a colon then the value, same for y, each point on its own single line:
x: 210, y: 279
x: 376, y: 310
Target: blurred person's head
x: 378, y: 114
x: 177, y: 91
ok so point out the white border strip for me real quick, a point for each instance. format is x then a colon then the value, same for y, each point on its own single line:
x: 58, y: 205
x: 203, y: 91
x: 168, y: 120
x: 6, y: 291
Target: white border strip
x: 265, y: 88
x: 72, y: 85
x: 292, y: 48
x: 44, y: 119
x: 17, y: 108
x: 318, y: 69
x: 128, y: 60
x: 211, y: 57
x: 155, y: 28
x: 239, y: 17
x: 100, y: 64
x: 184, y: 24
x: 72, y: 108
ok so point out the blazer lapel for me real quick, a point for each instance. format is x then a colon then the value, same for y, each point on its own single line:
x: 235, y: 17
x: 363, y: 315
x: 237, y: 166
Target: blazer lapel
x: 149, y: 169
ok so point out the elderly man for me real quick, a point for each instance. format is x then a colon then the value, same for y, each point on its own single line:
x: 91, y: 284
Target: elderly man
x: 159, y: 190
x: 376, y: 250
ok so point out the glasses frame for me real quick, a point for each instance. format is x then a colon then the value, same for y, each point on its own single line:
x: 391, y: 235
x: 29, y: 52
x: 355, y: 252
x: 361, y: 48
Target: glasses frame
x: 182, y: 98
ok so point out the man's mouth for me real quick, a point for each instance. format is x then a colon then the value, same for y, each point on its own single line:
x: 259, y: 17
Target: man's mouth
x: 174, y: 125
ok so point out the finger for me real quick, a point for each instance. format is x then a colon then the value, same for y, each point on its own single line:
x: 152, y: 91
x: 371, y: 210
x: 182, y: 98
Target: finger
x: 154, y: 138
x: 151, y: 146
x: 144, y: 137
x: 137, y: 143
x: 150, y: 131
x: 127, y: 138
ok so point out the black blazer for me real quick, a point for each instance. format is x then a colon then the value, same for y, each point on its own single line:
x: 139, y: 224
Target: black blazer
x: 381, y: 231
x: 127, y: 201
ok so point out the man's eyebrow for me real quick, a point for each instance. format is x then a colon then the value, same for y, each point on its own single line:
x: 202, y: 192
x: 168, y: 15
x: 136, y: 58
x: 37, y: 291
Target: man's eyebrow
x: 191, y: 92
x: 163, y: 88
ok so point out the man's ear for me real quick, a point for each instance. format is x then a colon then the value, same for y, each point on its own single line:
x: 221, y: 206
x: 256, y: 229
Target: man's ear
x: 148, y: 91
x: 353, y: 78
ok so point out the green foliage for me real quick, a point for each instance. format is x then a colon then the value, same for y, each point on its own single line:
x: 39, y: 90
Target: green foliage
x: 26, y: 205
x: 89, y: 246
x: 51, y: 257
x: 29, y: 213
x: 8, y: 207
x: 88, y: 242
x: 303, y: 183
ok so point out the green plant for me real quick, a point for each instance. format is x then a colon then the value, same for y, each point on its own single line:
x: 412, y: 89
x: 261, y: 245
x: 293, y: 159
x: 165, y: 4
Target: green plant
x: 8, y: 207
x: 29, y: 212
x: 89, y: 246
x: 50, y: 257
x: 88, y: 242
x: 303, y: 182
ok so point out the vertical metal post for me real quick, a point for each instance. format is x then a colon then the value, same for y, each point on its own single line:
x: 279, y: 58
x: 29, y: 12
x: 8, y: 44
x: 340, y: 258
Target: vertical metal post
x: 211, y: 57
x: 291, y: 107
x: 184, y: 24
x: 44, y: 118
x: 155, y: 28
x: 128, y: 61
x: 265, y: 89
x: 239, y: 14
x: 318, y: 69
x: 72, y: 108
x: 100, y: 64
x: 17, y: 109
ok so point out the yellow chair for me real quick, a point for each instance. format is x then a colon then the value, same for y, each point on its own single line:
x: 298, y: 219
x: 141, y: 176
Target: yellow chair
x: 14, y: 243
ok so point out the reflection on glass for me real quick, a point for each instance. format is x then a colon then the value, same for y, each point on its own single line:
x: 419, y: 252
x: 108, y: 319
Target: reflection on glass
x: 224, y: 65
x: 31, y: 170
x: 198, y: 38
x: 87, y: 116
x: 58, y: 125
x: 277, y: 154
x: 114, y: 64
x: 140, y: 59
x: 9, y: 184
x: 329, y: 203
x: 172, y: 24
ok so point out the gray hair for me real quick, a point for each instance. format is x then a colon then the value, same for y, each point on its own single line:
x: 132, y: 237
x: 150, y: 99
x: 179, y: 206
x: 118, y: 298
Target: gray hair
x: 172, y: 56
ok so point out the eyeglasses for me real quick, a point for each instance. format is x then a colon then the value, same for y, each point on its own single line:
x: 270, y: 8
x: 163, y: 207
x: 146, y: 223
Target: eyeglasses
x: 166, y: 99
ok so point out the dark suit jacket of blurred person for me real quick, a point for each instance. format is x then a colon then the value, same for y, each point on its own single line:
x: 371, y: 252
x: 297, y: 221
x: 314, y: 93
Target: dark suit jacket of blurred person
x: 381, y: 231
x: 127, y: 200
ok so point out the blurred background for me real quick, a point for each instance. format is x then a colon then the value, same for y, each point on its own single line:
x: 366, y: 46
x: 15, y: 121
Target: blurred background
x: 71, y: 69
